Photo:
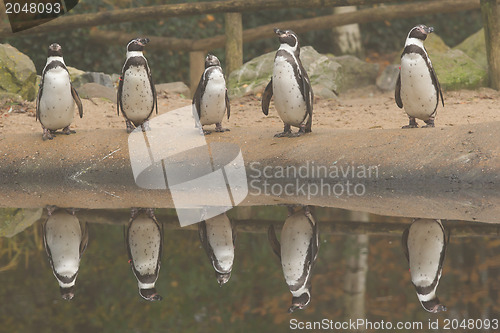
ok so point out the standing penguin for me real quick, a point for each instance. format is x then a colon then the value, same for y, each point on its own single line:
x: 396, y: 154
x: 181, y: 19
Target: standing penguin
x: 144, y: 247
x: 218, y: 237
x: 56, y: 98
x: 65, y: 240
x: 424, y: 244
x: 417, y: 87
x: 293, y: 95
x: 210, y: 100
x: 136, y: 95
x: 298, y: 252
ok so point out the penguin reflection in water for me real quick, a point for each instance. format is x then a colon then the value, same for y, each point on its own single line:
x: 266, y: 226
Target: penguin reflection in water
x: 424, y: 244
x: 136, y: 95
x: 298, y: 252
x: 218, y: 237
x: 55, y: 103
x: 210, y: 101
x: 290, y: 85
x: 144, y: 246
x: 65, y: 239
x: 417, y: 87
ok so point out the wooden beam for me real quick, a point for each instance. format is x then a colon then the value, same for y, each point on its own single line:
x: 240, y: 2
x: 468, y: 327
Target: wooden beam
x: 234, y: 42
x: 196, y: 68
x: 183, y: 9
x: 491, y: 20
x: 299, y: 26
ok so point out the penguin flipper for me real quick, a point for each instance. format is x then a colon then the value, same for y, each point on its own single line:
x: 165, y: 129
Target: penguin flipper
x: 228, y: 107
x: 315, y: 238
x: 234, y: 235
x: 309, y: 98
x: 404, y: 243
x: 77, y: 100
x: 119, y: 94
x: 273, y: 241
x: 266, y: 97
x: 397, y: 92
x: 153, y: 89
x: 38, y: 97
x: 85, y: 238
x: 197, y: 99
x: 438, y: 86
x: 202, y: 232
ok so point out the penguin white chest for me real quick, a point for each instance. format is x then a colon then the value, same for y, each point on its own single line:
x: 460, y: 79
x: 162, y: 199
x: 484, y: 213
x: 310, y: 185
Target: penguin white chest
x: 425, y: 243
x: 56, y: 103
x: 137, y: 95
x: 144, y: 242
x: 213, y: 101
x: 220, y: 238
x: 418, y: 93
x: 63, y: 236
x: 296, y: 237
x: 288, y: 99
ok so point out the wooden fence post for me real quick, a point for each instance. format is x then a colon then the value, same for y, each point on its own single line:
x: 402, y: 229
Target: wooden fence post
x: 196, y: 68
x: 234, y: 42
x: 491, y: 20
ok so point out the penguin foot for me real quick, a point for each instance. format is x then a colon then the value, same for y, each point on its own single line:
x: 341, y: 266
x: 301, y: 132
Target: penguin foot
x: 51, y: 209
x: 145, y: 126
x: 207, y: 132
x: 283, y: 134
x: 218, y: 128
x: 47, y: 134
x: 413, y: 123
x: 68, y: 131
x: 429, y: 123
x: 130, y: 126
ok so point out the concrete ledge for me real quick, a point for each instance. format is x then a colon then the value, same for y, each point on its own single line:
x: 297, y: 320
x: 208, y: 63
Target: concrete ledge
x: 448, y: 173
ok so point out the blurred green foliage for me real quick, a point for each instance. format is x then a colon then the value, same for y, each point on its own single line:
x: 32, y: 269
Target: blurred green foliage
x: 381, y: 37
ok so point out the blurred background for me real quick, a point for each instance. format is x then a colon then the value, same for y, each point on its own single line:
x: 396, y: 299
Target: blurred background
x: 381, y: 41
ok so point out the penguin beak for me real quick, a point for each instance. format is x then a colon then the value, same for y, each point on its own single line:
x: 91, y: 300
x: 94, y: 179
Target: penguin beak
x: 429, y: 30
x: 279, y: 32
x: 55, y: 47
x: 438, y: 308
x: 143, y: 41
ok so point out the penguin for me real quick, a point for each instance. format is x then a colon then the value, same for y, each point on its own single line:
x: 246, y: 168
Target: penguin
x: 417, y: 86
x: 298, y: 252
x: 56, y: 97
x: 293, y: 95
x: 65, y: 240
x: 136, y: 96
x: 424, y: 244
x: 210, y: 101
x: 144, y: 246
x: 218, y: 238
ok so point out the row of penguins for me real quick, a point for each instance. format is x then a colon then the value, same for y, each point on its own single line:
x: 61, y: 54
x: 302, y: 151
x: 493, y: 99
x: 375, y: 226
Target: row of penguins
x: 65, y: 239
x: 417, y: 89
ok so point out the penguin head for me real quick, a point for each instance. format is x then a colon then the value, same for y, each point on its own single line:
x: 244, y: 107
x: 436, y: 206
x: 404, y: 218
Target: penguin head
x: 222, y: 278
x: 434, y: 306
x: 420, y: 32
x: 300, y: 302
x: 288, y: 37
x: 150, y: 294
x: 67, y: 293
x: 137, y: 44
x: 55, y: 50
x: 211, y: 60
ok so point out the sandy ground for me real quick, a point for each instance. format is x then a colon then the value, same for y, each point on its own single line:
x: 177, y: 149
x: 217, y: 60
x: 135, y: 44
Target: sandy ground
x: 365, y: 108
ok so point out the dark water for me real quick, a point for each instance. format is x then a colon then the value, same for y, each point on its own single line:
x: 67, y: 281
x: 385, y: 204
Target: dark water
x: 361, y: 273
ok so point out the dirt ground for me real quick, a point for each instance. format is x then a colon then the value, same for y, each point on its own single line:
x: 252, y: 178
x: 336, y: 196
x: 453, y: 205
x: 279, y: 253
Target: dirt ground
x: 365, y: 108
